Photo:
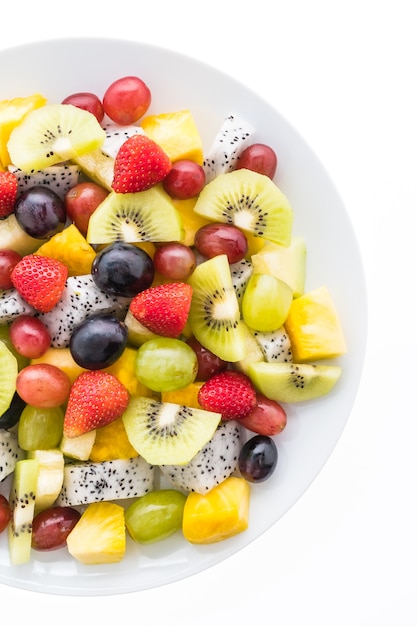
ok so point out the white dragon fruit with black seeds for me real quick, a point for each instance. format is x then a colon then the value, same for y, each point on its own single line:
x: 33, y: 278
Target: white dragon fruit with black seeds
x: 58, y: 178
x: 275, y: 345
x: 81, y: 298
x: 118, y: 479
x: 241, y: 272
x: 233, y: 136
x: 116, y: 136
x: 10, y: 453
x: 12, y: 305
x: 215, y: 462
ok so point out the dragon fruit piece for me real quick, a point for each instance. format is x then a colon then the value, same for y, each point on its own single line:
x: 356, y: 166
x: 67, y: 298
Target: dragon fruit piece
x: 275, y: 345
x: 59, y: 178
x: 215, y: 462
x: 12, y: 305
x: 233, y: 136
x: 241, y: 272
x: 10, y: 453
x: 118, y: 479
x: 81, y: 298
x: 116, y: 135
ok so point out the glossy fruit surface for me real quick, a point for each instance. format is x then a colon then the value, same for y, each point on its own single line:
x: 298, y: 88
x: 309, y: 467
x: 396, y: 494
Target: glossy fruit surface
x: 12, y: 415
x: 43, y: 385
x: 8, y: 260
x: 266, y: 302
x: 40, y: 212
x: 208, y: 362
x: 258, y: 458
x: 81, y: 201
x: 126, y: 100
x: 98, y: 342
x: 174, y: 260
x: 165, y: 364
x: 214, y: 239
x: 51, y: 527
x: 29, y: 336
x: 40, y: 428
x: 185, y: 180
x: 268, y: 417
x: 5, y: 513
x: 87, y: 101
x: 122, y: 269
x: 155, y: 516
x: 260, y: 158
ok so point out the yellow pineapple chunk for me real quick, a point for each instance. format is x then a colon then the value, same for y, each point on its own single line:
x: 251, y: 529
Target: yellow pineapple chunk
x: 314, y: 327
x: 187, y: 396
x: 111, y: 442
x: 191, y: 221
x: 124, y: 370
x: 100, y: 534
x: 218, y: 514
x: 12, y: 113
x: 70, y: 247
x: 177, y: 134
x: 61, y: 358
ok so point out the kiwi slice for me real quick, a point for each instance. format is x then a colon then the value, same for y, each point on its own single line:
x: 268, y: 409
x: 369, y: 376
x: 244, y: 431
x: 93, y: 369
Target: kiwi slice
x: 22, y: 500
x: 214, y: 316
x: 293, y: 382
x: 52, y: 134
x: 132, y: 217
x: 97, y: 166
x: 8, y: 375
x: 250, y: 201
x: 164, y: 433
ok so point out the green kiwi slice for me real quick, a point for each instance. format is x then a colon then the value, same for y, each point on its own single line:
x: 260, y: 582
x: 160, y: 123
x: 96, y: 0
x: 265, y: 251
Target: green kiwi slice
x: 164, y: 433
x: 214, y: 315
x: 250, y: 201
x: 22, y: 500
x: 8, y: 375
x: 133, y: 217
x: 52, y: 134
x: 293, y: 382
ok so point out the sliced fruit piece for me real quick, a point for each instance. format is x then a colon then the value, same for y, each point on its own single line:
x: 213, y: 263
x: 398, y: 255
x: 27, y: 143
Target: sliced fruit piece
x: 177, y: 134
x: 8, y: 376
x: 50, y: 476
x: 116, y: 135
x: 10, y: 452
x: 100, y: 535
x: 97, y: 166
x: 167, y: 433
x: 78, y: 448
x: 286, y: 263
x: 60, y: 178
x: 314, y: 327
x: 13, y: 237
x: 191, y: 222
x: 111, y: 442
x: 22, y: 500
x: 275, y: 345
x: 52, y: 134
x: 250, y: 201
x: 62, y: 358
x: 214, y: 316
x: 137, y: 334
x: 293, y: 382
x: 163, y: 309
x: 70, y: 247
x: 132, y: 217
x: 12, y: 113
x: 266, y: 302
x: 219, y: 514
x: 124, y: 370
x: 187, y: 396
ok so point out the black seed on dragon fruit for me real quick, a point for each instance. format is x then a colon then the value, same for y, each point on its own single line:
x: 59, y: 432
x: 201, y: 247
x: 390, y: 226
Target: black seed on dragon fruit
x: 10, y: 453
x: 59, y: 178
x: 241, y: 272
x: 275, y: 345
x: 12, y: 305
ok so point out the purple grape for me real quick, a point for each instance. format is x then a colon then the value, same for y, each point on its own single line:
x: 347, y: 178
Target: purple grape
x: 122, y: 269
x: 98, y: 342
x: 40, y: 212
x: 258, y: 458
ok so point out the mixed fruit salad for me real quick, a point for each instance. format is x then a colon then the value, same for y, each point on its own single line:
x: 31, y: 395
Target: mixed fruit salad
x: 154, y: 324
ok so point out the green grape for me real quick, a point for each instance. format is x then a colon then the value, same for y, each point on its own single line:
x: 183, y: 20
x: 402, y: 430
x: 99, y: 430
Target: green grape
x: 165, y: 364
x: 40, y: 428
x: 155, y: 516
x: 266, y: 302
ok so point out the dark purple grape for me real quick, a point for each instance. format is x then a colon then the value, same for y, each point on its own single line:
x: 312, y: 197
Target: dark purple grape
x: 51, y: 527
x: 40, y: 212
x: 122, y: 269
x: 258, y: 458
x: 98, y: 342
x: 12, y: 415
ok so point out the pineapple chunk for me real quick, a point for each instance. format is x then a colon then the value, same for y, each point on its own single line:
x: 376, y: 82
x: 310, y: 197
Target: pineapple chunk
x: 100, y: 534
x: 218, y: 514
x: 70, y: 247
x: 50, y: 476
x: 177, y: 134
x: 62, y: 358
x: 12, y: 113
x: 314, y: 327
x: 187, y: 396
x: 111, y: 443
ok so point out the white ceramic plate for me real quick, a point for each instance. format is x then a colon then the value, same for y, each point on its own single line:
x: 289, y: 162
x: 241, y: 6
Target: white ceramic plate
x: 58, y: 68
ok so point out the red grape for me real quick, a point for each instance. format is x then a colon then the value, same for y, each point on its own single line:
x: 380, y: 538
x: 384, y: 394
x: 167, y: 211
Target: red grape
x: 81, y: 201
x: 208, y: 363
x: 174, y: 260
x: 88, y: 102
x: 185, y: 180
x: 126, y: 100
x: 259, y: 158
x: 217, y: 238
x: 267, y: 418
x: 5, y: 513
x: 8, y: 259
x: 29, y: 336
x: 51, y: 527
x: 43, y: 385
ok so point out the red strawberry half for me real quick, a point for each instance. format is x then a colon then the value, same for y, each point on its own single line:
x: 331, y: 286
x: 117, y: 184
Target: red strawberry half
x: 8, y: 192
x: 163, y: 309
x: 96, y: 398
x: 139, y: 165
x: 40, y: 281
x: 230, y: 393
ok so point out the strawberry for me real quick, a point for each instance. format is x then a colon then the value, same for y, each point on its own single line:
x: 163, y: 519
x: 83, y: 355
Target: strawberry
x: 163, y: 309
x: 40, y: 281
x: 96, y: 399
x: 8, y: 192
x: 230, y: 393
x: 139, y: 165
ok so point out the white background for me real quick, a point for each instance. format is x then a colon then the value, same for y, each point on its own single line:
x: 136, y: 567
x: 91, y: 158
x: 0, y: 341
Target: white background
x: 344, y: 74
